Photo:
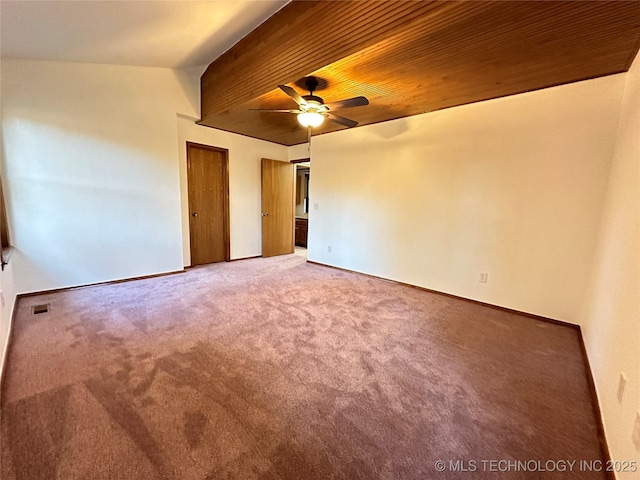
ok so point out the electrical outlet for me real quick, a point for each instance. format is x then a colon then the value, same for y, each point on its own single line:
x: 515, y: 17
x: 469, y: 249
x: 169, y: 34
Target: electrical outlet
x: 635, y: 436
x: 622, y: 383
x: 329, y: 249
x: 316, y: 206
x: 484, y: 276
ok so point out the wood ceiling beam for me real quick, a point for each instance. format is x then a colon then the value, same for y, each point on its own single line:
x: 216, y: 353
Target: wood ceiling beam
x: 410, y: 57
x: 305, y: 36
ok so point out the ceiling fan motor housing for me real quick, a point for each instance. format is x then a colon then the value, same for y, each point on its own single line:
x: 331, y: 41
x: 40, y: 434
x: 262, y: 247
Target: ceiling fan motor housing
x: 311, y: 83
x: 313, y: 98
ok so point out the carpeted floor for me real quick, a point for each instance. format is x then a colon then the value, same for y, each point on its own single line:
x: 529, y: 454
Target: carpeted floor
x: 279, y: 369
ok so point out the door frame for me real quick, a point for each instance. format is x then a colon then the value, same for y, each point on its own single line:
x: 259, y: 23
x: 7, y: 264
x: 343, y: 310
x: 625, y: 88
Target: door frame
x: 225, y: 182
x: 295, y: 164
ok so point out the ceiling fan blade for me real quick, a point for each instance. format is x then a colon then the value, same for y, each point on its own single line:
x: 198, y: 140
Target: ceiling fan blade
x: 341, y: 120
x: 269, y: 110
x: 348, y: 103
x: 293, y: 94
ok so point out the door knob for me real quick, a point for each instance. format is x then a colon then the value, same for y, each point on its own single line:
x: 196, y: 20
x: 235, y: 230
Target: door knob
x: 194, y: 214
x: 265, y: 214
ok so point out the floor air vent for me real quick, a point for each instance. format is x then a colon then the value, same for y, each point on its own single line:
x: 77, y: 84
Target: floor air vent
x: 38, y: 309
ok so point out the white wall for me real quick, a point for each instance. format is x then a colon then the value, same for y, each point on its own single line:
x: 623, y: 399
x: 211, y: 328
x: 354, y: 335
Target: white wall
x: 96, y: 172
x: 513, y: 187
x: 91, y: 173
x: 7, y: 283
x: 245, y: 201
x: 612, y: 315
x: 297, y: 152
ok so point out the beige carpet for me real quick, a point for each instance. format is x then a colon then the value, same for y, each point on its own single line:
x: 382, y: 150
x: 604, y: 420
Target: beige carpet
x: 279, y: 369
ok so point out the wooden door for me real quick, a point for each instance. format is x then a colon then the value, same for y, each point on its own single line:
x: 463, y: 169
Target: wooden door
x: 208, y: 187
x: 277, y: 207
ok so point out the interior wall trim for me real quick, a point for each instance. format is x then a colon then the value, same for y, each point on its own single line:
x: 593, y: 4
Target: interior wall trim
x: 97, y: 284
x: 595, y: 400
x: 5, y: 352
x: 451, y: 295
x: 189, y: 267
x: 245, y: 258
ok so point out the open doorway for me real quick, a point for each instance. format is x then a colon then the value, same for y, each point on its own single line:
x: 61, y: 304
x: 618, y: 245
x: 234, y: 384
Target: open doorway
x: 303, y: 175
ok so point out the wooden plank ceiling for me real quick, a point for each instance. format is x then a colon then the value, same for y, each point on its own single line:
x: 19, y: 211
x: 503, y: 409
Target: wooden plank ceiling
x: 411, y: 57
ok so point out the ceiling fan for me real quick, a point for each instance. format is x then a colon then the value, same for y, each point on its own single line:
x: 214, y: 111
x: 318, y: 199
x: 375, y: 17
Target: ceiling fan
x: 312, y: 110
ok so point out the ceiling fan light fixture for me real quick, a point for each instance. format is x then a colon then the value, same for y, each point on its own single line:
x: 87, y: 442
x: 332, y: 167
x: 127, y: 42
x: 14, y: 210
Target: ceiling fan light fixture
x: 310, y: 119
x: 312, y: 110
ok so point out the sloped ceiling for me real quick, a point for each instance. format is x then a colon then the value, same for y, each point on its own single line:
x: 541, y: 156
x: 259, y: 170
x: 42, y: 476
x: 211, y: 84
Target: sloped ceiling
x: 412, y: 57
x: 171, y: 34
